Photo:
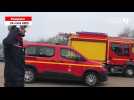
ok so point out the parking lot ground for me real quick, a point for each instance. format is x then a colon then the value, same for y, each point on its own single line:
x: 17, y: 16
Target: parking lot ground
x: 113, y: 81
x: 1, y: 74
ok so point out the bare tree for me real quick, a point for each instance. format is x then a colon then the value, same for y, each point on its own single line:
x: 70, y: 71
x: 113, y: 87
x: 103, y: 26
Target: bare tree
x: 61, y: 38
x: 41, y: 40
x: 125, y: 33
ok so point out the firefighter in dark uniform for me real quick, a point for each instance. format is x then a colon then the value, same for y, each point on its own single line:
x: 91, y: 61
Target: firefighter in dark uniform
x: 14, y: 57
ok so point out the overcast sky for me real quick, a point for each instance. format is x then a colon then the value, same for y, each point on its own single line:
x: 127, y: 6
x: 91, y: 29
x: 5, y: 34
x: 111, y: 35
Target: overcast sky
x: 48, y: 24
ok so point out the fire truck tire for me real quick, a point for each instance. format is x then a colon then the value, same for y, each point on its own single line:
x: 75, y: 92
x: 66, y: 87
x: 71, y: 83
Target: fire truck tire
x: 129, y: 72
x: 29, y: 76
x: 91, y: 79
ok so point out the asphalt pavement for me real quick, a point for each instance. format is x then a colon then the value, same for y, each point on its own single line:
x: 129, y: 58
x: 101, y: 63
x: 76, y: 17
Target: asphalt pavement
x: 113, y: 81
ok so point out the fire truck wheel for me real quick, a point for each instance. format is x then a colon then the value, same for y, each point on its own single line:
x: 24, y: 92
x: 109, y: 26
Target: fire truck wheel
x: 129, y: 72
x: 29, y: 75
x: 112, y: 70
x: 91, y: 79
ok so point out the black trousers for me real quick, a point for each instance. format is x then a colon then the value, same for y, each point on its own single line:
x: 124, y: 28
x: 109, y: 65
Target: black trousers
x: 9, y: 84
x: 14, y: 67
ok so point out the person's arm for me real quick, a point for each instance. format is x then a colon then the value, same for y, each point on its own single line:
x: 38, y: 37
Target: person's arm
x: 19, y: 40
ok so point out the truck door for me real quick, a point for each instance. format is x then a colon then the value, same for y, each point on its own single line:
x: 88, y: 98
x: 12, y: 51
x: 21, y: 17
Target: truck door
x: 71, y: 61
x: 119, y: 53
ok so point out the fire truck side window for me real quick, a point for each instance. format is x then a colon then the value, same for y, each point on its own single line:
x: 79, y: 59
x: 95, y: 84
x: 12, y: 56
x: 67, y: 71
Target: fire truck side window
x: 120, y: 50
x: 45, y: 51
x: 69, y: 54
x: 117, y: 49
x: 31, y: 51
x: 40, y: 51
x: 126, y: 50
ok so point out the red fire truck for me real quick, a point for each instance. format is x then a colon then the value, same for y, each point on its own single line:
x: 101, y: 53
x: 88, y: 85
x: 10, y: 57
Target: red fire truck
x: 116, y: 52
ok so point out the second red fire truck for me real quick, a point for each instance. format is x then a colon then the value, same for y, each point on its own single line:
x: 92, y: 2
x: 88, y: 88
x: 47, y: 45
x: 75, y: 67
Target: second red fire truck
x: 117, y: 53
